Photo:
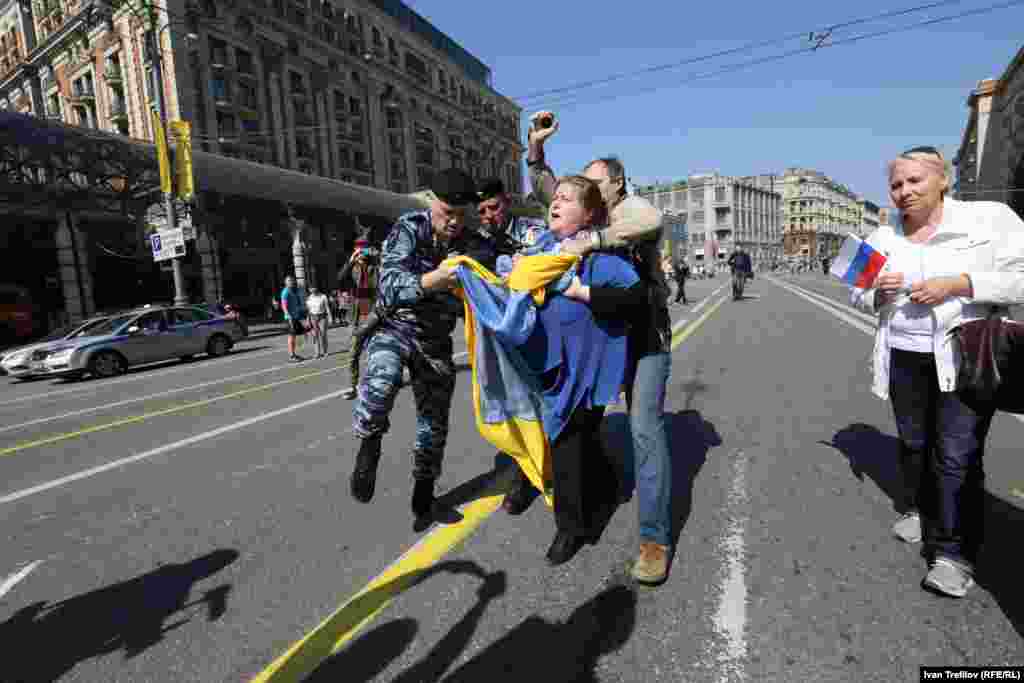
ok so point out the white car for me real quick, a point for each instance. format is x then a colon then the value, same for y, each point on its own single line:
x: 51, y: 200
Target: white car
x: 25, y: 362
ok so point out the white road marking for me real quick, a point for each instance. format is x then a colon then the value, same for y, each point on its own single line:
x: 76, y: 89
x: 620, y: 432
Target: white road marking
x: 140, y: 375
x: 838, y: 312
x: 731, y: 616
x: 128, y: 401
x: 17, y: 577
x: 173, y: 446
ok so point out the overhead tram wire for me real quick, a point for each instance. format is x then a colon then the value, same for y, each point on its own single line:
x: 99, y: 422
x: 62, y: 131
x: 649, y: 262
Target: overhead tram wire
x: 571, y: 100
x: 524, y: 99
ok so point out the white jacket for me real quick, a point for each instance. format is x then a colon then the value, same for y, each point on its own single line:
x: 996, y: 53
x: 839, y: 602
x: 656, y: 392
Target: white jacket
x: 985, y: 240
x: 317, y: 304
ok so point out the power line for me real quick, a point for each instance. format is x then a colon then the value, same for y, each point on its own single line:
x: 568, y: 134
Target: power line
x: 737, y: 50
x: 574, y: 100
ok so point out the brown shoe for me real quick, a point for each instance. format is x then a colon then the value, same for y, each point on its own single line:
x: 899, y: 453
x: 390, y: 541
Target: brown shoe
x: 651, y: 566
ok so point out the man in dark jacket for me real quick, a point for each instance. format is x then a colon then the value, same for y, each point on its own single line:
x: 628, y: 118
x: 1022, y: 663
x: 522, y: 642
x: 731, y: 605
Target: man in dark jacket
x: 417, y: 315
x: 682, y: 275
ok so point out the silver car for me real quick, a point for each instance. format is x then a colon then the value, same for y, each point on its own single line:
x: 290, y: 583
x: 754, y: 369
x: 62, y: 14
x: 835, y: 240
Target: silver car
x: 147, y: 335
x: 23, y: 362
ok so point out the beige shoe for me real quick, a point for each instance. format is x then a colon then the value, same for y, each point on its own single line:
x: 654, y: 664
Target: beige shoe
x: 651, y: 566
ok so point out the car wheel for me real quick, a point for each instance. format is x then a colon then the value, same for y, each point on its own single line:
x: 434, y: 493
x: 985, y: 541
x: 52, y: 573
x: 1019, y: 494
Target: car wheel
x: 107, y: 364
x: 219, y: 345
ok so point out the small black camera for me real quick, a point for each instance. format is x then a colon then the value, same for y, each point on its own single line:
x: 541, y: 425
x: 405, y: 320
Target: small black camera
x: 545, y: 122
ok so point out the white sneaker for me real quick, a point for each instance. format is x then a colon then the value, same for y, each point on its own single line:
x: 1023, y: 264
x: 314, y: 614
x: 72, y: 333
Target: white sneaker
x: 949, y: 577
x: 908, y: 528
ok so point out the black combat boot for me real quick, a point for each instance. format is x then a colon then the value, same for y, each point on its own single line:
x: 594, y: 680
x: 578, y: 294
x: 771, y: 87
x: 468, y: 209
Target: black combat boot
x: 423, y: 497
x: 364, y: 476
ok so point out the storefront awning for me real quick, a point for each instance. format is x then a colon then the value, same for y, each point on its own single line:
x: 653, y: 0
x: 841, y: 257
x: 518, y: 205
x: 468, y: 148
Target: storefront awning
x: 47, y: 162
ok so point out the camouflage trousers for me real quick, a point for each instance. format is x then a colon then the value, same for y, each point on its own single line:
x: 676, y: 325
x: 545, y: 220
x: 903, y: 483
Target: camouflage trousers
x: 433, y: 383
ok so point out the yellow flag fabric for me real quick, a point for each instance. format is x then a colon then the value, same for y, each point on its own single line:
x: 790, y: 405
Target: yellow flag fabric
x: 182, y: 132
x: 523, y: 439
x: 162, y: 154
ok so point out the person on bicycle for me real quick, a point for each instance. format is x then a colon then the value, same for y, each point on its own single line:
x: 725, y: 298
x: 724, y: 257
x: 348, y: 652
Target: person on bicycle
x: 742, y: 269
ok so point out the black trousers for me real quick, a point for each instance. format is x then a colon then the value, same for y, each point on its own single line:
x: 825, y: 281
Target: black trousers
x: 681, y: 291
x: 942, y: 443
x: 585, y: 481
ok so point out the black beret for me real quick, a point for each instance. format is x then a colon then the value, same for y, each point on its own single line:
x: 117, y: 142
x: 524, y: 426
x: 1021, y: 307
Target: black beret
x: 489, y: 188
x: 454, y: 186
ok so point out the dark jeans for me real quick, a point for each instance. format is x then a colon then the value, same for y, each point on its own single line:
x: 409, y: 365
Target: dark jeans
x: 584, y: 478
x: 681, y: 291
x: 942, y: 443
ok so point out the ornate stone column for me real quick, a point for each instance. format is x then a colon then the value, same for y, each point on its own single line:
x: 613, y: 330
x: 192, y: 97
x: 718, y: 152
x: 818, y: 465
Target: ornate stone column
x: 213, y: 279
x: 73, y: 261
x: 299, y: 262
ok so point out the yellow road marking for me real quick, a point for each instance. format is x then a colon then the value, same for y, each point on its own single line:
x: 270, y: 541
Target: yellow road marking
x: 17, y: 448
x: 354, y: 614
x: 684, y: 334
x: 339, y: 628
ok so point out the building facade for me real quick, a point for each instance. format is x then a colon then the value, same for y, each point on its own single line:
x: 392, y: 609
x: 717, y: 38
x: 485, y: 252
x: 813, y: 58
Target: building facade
x: 311, y: 122
x: 970, y: 155
x: 737, y: 211
x: 818, y: 212
x: 365, y: 91
x: 999, y: 155
x: 870, y: 217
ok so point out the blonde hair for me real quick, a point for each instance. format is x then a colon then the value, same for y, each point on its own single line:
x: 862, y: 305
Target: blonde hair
x: 589, y: 194
x: 929, y: 157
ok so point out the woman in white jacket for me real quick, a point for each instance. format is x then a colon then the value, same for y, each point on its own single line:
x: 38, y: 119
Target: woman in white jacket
x: 949, y: 262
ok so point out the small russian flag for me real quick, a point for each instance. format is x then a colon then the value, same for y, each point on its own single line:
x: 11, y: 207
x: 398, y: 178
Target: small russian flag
x: 857, y: 263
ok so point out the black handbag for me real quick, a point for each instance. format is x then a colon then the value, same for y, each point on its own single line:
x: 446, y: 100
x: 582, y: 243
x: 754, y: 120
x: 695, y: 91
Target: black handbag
x: 991, y: 362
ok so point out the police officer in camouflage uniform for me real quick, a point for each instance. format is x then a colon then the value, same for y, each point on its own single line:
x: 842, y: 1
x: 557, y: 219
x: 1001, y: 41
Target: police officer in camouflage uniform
x: 417, y: 317
x: 507, y: 233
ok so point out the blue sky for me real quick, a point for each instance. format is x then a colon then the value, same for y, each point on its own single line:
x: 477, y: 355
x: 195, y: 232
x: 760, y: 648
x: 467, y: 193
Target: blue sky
x: 844, y: 110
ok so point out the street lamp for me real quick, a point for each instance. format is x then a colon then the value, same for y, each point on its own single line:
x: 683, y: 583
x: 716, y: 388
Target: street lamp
x: 147, y: 9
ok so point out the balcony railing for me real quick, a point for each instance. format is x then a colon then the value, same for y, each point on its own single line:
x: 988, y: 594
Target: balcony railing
x: 218, y: 59
x: 82, y: 94
x: 113, y: 76
x: 118, y: 110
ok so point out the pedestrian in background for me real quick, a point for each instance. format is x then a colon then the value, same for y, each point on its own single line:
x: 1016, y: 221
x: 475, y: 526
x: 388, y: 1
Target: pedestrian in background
x: 949, y: 263
x: 320, y: 319
x: 294, y: 309
x: 682, y: 274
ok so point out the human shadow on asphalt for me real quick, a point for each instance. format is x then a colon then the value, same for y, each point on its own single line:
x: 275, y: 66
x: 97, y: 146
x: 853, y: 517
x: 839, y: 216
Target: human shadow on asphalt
x: 45, y: 641
x: 876, y: 454
x: 536, y: 649
x: 365, y: 658
x: 690, y: 437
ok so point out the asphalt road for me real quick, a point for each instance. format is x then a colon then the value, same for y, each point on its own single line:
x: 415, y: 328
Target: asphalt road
x: 191, y: 522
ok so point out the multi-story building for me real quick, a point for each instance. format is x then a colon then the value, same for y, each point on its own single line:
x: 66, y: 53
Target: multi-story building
x: 870, y: 217
x: 818, y: 212
x: 364, y: 91
x: 737, y: 211
x: 969, y: 156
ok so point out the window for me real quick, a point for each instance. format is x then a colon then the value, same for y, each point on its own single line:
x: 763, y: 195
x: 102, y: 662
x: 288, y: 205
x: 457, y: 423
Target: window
x: 226, y: 125
x: 184, y: 316
x: 377, y: 41
x: 244, y: 60
x: 416, y: 66
x: 344, y: 157
x: 394, y: 118
x: 698, y: 217
x: 355, y: 107
x: 247, y: 96
x: 361, y: 163
x: 152, y: 322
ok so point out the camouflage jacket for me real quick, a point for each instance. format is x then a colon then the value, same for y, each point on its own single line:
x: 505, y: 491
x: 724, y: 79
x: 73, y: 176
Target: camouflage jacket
x: 410, y: 251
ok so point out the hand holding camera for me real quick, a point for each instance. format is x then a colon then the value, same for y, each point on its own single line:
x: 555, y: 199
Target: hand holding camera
x: 543, y: 125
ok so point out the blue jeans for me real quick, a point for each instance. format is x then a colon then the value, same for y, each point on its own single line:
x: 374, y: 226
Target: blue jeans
x: 651, y: 457
x: 942, y: 442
